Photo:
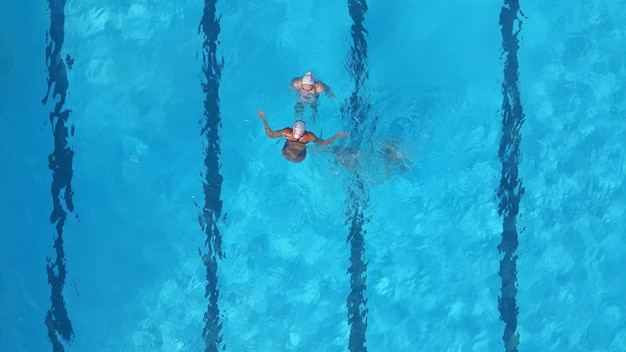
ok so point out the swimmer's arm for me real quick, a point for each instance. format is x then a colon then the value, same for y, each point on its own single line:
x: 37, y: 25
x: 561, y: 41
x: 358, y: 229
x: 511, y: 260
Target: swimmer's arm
x: 295, y: 83
x: 323, y: 143
x: 324, y: 88
x: 268, y: 130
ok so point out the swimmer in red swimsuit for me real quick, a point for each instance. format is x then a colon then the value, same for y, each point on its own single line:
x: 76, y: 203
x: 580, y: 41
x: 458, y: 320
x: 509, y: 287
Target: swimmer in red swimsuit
x: 297, y: 138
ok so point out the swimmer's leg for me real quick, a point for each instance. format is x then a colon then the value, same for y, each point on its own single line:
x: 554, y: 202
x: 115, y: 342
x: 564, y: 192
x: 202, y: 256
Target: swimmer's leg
x: 387, y: 172
x: 314, y: 112
x: 298, y: 109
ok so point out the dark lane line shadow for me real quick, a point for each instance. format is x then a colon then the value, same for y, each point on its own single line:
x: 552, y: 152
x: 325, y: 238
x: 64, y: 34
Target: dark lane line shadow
x: 211, y: 123
x: 60, y: 162
x: 510, y: 190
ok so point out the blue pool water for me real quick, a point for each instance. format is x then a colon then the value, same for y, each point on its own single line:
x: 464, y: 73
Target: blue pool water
x: 290, y: 273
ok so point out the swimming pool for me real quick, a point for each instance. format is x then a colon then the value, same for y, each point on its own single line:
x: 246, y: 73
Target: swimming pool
x: 189, y: 231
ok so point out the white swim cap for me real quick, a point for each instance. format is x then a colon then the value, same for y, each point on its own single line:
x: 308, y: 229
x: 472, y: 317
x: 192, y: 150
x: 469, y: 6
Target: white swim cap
x: 299, y: 127
x: 308, y: 78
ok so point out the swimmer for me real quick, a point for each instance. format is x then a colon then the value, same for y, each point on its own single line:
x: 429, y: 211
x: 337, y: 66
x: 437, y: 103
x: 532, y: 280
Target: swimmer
x: 395, y: 157
x: 389, y: 152
x: 308, y: 91
x: 297, y: 138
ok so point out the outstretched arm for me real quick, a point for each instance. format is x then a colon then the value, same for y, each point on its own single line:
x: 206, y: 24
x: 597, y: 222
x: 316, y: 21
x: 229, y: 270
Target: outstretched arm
x: 326, y: 89
x: 268, y: 130
x: 328, y: 141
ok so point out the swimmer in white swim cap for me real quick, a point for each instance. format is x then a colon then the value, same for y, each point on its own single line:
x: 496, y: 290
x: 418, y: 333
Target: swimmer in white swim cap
x: 308, y: 90
x: 296, y: 138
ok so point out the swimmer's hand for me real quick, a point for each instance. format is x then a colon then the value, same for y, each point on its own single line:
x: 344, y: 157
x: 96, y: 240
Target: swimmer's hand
x: 261, y: 115
x: 324, y: 143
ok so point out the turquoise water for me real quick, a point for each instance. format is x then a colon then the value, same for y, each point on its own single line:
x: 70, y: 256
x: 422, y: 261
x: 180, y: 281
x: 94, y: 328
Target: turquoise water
x: 136, y: 280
